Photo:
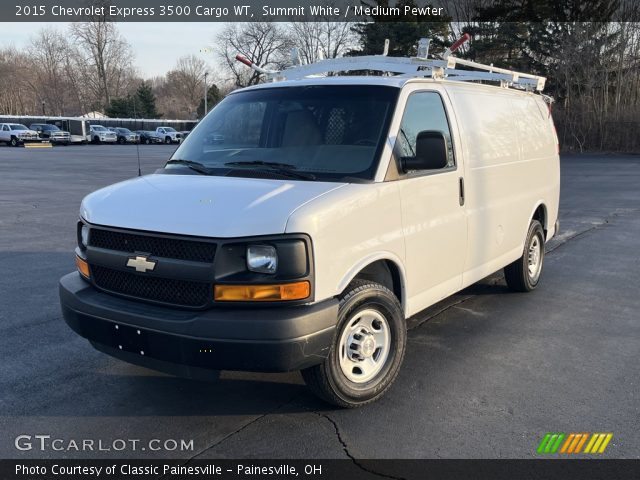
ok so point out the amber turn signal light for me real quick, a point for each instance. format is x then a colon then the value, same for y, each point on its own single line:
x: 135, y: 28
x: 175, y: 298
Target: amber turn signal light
x: 83, y: 267
x: 262, y: 293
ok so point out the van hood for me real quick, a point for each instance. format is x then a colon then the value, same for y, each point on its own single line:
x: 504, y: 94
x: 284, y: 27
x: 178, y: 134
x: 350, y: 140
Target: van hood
x: 201, y: 205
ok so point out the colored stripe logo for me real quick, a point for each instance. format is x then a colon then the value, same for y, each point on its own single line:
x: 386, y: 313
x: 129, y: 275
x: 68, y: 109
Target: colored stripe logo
x: 574, y: 443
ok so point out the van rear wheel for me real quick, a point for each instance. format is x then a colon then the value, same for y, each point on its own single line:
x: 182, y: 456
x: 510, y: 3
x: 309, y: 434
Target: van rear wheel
x: 367, y: 350
x: 524, y: 274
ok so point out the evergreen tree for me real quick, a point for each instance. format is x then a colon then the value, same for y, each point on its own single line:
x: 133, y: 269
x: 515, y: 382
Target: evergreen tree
x: 140, y: 105
x: 402, y: 31
x: 120, y: 108
x: 146, y: 102
x: 213, y: 97
x: 531, y: 35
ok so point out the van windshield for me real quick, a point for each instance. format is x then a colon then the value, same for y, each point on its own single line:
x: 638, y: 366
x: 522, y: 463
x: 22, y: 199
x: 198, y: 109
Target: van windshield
x: 326, y: 133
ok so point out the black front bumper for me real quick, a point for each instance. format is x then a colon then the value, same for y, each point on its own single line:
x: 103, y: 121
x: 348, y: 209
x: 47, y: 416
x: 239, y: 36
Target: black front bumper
x: 183, y: 342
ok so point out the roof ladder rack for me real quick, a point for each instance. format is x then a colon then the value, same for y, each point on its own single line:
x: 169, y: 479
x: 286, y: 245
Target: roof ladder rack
x: 419, y: 66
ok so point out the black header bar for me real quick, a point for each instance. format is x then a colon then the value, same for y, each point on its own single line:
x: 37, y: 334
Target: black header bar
x: 312, y: 10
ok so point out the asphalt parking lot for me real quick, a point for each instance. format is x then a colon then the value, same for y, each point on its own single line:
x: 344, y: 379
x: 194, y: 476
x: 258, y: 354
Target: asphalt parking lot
x: 487, y: 372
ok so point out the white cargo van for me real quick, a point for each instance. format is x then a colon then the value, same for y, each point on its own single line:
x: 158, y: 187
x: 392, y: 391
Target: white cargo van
x: 303, y: 221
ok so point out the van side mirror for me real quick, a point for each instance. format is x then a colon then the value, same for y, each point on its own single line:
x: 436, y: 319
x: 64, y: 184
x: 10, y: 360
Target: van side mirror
x: 431, y: 152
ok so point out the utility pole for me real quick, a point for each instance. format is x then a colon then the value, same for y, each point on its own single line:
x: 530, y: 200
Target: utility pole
x: 205, y: 93
x: 43, y: 114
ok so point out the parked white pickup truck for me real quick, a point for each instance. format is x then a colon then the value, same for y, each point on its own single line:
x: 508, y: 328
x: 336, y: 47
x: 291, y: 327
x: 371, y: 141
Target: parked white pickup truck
x: 100, y: 134
x: 17, y: 134
x: 169, y: 134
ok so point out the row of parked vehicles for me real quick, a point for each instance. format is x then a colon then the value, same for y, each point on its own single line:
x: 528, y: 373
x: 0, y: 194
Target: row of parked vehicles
x: 17, y: 134
x: 168, y: 135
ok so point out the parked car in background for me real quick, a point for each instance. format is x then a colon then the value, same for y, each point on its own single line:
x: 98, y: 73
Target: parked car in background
x: 100, y: 134
x: 169, y: 134
x: 148, y: 136
x: 17, y: 134
x: 51, y: 133
x: 124, y: 135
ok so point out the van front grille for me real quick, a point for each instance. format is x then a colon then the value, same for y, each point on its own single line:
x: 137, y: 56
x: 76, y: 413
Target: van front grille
x: 192, y: 250
x: 165, y: 290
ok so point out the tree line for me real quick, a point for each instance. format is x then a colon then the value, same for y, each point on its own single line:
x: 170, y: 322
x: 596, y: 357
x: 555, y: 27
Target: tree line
x: 592, y: 68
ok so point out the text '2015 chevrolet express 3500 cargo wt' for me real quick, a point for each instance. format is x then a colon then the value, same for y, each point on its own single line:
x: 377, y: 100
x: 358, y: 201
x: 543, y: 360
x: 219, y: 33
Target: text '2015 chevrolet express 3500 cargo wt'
x: 303, y: 221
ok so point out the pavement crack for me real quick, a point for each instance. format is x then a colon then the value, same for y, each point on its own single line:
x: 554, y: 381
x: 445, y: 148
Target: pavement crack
x: 238, y: 430
x: 345, y: 448
x: 228, y: 436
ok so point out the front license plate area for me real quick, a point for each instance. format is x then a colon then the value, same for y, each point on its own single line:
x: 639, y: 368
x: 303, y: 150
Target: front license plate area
x: 130, y: 339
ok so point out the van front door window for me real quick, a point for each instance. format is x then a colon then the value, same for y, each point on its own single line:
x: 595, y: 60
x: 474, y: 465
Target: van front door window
x: 424, y: 111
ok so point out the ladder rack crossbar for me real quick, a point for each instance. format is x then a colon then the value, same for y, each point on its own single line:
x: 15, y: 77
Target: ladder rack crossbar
x: 413, y: 67
x: 420, y: 66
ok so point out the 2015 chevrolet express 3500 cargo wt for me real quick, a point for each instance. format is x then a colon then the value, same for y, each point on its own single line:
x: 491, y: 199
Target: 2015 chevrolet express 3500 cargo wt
x: 303, y: 221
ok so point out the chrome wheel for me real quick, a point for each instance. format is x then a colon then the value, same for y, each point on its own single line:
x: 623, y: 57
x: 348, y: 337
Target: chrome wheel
x: 364, y: 346
x: 534, y: 258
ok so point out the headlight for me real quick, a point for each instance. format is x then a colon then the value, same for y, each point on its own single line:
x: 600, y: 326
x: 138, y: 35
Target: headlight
x: 84, y: 236
x: 262, y: 259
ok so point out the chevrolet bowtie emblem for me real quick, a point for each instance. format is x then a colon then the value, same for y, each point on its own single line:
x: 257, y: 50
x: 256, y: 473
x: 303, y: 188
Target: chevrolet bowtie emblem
x: 141, y: 264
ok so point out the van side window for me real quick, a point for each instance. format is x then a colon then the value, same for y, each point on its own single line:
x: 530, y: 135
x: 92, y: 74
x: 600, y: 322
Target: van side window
x: 424, y: 111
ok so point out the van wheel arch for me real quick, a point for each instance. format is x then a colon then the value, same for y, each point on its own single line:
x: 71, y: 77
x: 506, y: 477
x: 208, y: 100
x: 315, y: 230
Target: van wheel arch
x: 540, y: 214
x: 385, y: 273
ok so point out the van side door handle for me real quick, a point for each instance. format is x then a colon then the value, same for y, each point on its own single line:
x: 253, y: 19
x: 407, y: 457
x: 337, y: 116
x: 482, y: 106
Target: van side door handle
x: 461, y: 191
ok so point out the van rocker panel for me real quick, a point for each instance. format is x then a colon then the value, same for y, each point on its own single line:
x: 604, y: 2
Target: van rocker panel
x: 260, y: 338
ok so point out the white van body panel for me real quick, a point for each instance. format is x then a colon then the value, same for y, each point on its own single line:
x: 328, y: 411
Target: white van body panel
x: 512, y: 167
x: 505, y: 152
x: 201, y: 205
x: 351, y: 227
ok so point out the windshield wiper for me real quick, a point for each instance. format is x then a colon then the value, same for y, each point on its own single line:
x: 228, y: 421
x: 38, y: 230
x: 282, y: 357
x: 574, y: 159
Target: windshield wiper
x: 195, y: 166
x: 260, y: 163
x: 284, y: 169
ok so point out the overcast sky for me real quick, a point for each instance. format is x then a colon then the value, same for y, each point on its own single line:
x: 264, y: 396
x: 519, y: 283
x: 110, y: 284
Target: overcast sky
x: 156, y: 46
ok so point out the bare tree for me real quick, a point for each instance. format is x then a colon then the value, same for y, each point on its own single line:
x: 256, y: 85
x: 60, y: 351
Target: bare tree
x: 17, y: 83
x: 322, y: 39
x: 266, y: 44
x: 185, y: 83
x: 105, y: 56
x: 48, y: 51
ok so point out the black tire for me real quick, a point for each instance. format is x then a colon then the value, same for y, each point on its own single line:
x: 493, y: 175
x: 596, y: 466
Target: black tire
x: 121, y: 141
x: 518, y: 275
x: 167, y: 140
x: 96, y: 140
x: 328, y: 380
x: 14, y: 142
x: 147, y: 141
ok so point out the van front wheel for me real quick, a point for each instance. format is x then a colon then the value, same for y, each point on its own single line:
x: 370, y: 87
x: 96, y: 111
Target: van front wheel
x: 524, y: 274
x: 367, y: 350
